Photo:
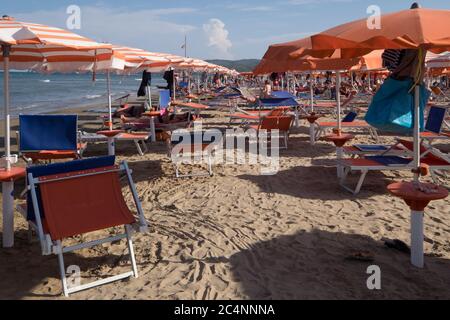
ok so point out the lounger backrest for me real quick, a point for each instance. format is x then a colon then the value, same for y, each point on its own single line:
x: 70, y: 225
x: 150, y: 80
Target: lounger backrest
x: 62, y: 168
x: 436, y: 90
x: 48, y: 132
x: 278, y: 111
x: 269, y: 123
x: 350, y: 117
x: 164, y: 99
x: 284, y: 123
x: 75, y: 201
x: 276, y: 123
x: 435, y: 119
x: 183, y: 84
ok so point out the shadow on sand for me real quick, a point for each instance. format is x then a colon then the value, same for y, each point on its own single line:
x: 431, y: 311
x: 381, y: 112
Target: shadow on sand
x: 315, y: 265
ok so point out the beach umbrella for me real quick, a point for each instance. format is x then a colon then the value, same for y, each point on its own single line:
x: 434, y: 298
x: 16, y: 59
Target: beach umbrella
x: 44, y: 49
x: 421, y: 29
x: 416, y: 28
x: 278, y: 59
x: 132, y: 60
x: 438, y: 61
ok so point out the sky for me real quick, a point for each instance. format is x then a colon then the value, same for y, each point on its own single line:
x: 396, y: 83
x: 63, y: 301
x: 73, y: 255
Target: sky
x: 222, y: 29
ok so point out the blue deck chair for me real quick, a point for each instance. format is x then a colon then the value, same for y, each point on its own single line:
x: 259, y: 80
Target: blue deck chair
x: 350, y: 117
x: 435, y: 119
x: 183, y: 84
x: 60, y: 205
x: 48, y: 137
x: 164, y: 99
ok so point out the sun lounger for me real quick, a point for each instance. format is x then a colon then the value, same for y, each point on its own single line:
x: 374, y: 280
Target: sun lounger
x: 140, y: 139
x: 186, y: 146
x: 164, y: 99
x: 49, y: 137
x: 78, y: 197
x: 256, y: 115
x: 348, y: 122
x: 281, y: 123
x: 434, y: 125
x: 429, y: 156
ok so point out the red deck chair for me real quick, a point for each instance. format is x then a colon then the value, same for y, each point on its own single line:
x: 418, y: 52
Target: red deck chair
x: 280, y: 123
x: 78, y: 197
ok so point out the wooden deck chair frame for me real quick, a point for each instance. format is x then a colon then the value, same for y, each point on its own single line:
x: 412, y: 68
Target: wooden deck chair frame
x: 49, y: 247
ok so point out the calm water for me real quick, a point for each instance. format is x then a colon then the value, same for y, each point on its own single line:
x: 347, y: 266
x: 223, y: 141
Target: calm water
x: 33, y: 93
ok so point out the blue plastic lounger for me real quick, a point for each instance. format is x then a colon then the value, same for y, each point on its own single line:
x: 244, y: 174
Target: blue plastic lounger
x: 164, y: 99
x: 435, y: 123
x: 78, y: 197
x: 48, y: 137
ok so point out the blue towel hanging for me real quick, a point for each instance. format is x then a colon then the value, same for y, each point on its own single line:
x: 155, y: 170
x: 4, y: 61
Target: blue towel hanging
x: 392, y: 107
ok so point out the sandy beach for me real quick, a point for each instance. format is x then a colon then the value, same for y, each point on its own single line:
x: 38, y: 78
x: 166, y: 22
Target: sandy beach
x: 240, y: 235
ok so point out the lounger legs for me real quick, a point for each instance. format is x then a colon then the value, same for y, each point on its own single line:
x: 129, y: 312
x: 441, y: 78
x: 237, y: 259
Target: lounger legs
x: 131, y: 251
x: 60, y: 250
x: 62, y: 269
x: 358, y: 185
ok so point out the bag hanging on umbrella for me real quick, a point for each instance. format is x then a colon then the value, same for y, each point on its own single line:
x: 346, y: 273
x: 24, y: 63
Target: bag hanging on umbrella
x: 392, y: 108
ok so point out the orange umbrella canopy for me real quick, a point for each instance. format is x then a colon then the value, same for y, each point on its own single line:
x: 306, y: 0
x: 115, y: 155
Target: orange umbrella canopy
x: 278, y: 59
x: 412, y: 28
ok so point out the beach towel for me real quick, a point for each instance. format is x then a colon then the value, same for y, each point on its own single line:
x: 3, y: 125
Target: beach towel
x: 392, y: 107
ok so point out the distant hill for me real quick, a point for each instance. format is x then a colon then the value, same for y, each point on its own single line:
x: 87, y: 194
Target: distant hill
x: 244, y: 65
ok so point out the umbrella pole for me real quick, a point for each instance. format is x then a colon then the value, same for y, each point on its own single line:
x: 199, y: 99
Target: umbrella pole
x: 174, y: 86
x: 7, y: 185
x: 311, y: 92
x: 108, y: 84
x: 338, y: 101
x: 417, y: 132
x: 6, y: 51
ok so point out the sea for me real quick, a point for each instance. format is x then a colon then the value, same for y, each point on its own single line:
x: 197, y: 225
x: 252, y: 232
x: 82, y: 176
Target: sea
x: 35, y: 93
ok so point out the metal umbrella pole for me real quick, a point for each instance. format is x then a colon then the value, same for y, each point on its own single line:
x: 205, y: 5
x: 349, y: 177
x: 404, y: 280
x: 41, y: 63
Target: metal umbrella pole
x: 9, y: 173
x: 108, y: 85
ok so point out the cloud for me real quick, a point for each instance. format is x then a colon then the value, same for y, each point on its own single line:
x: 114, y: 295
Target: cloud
x: 218, y: 37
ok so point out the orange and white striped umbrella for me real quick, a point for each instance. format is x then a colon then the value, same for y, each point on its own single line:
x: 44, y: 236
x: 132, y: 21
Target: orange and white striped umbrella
x: 48, y: 49
x: 133, y: 59
x: 45, y: 49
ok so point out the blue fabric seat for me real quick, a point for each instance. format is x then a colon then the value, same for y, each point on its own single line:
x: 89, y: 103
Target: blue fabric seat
x: 48, y: 132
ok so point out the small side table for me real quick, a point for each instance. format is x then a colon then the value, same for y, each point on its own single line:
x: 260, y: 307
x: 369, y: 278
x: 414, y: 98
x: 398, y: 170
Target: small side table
x: 7, y: 178
x: 339, y: 139
x: 111, y: 134
x: 152, y: 115
x: 417, y: 199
